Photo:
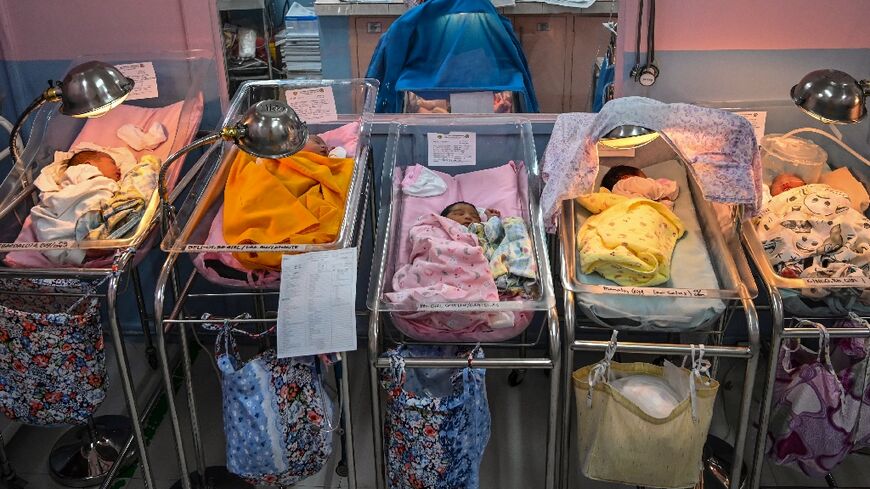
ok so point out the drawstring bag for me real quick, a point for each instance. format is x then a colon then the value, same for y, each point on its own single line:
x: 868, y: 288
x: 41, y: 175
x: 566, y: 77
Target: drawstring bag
x: 817, y: 400
x: 437, y: 421
x: 52, y: 363
x: 620, y: 441
x: 277, y: 417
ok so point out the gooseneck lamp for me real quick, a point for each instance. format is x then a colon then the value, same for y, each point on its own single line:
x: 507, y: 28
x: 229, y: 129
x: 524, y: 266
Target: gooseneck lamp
x: 628, y: 137
x: 269, y: 129
x: 832, y: 97
x: 89, y: 90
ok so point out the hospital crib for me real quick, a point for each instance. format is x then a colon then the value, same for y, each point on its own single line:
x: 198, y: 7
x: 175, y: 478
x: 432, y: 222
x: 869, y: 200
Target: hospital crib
x: 495, y: 167
x: 710, y: 282
x: 219, y: 284
x: 176, y: 101
x: 786, y: 324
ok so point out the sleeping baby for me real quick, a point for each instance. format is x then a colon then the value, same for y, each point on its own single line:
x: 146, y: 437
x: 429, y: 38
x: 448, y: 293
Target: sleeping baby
x: 316, y: 144
x: 633, y: 182
x: 82, y: 193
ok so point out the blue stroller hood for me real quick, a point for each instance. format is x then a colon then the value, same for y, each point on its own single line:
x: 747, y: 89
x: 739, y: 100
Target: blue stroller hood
x: 450, y: 46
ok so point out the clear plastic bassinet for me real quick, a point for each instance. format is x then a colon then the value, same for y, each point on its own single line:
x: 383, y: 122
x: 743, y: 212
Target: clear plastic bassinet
x: 704, y: 276
x: 499, y: 170
x: 175, y: 99
x: 197, y: 227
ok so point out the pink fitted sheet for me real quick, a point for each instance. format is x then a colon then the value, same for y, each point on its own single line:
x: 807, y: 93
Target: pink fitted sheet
x: 180, y: 129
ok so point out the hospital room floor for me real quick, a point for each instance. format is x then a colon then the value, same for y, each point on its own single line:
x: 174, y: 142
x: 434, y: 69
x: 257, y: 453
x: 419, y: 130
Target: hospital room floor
x: 514, y: 456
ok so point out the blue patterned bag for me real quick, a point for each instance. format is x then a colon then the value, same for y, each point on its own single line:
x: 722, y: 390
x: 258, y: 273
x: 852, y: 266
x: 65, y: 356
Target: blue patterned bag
x: 52, y: 362
x: 437, y: 421
x: 277, y: 416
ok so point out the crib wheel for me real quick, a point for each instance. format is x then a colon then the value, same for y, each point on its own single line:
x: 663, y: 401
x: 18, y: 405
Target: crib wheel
x: 341, y: 469
x: 151, y: 353
x: 516, y: 377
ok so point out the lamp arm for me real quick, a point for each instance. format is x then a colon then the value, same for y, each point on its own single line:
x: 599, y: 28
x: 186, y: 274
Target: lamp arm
x: 161, y: 179
x: 832, y: 138
x: 14, y: 138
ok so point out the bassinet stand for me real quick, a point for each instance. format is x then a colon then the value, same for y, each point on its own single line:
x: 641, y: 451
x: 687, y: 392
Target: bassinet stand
x: 780, y: 333
x: 551, y: 362
x: 112, y: 276
x: 571, y: 344
x: 205, y: 476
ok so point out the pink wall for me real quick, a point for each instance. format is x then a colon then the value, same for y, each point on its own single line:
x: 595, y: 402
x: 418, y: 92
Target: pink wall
x: 707, y: 25
x: 44, y: 30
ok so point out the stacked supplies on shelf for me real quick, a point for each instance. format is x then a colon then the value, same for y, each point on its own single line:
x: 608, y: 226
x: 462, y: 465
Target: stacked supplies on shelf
x: 299, y: 43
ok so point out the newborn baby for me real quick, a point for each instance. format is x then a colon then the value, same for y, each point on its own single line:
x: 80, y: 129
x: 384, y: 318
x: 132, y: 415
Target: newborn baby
x: 316, y: 144
x: 633, y: 182
x: 785, y: 181
x: 466, y: 214
x: 101, y: 161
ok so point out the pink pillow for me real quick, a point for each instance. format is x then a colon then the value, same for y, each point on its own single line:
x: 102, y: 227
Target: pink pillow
x: 345, y: 136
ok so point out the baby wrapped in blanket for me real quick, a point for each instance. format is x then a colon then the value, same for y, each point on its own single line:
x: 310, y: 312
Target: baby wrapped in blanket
x: 813, y: 231
x: 299, y: 199
x: 91, y: 192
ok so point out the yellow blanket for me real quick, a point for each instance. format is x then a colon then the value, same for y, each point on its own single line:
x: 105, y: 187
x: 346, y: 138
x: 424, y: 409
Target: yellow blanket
x: 299, y: 199
x: 629, y: 240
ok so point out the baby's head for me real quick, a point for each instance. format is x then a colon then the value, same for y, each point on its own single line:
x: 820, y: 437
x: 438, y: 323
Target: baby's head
x: 316, y: 144
x: 461, y: 212
x: 100, y: 160
x: 618, y: 173
x: 785, y: 181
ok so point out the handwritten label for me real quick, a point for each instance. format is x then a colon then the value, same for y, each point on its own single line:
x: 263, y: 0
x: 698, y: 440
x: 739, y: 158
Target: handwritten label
x: 144, y: 76
x: 654, y: 291
x: 316, y: 303
x: 48, y: 245
x: 246, y: 247
x: 861, y: 282
x: 471, y: 103
x: 758, y: 119
x: 460, y: 306
x: 453, y: 149
x: 313, y: 104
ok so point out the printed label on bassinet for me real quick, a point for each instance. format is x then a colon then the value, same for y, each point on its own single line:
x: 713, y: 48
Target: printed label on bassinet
x: 460, y: 306
x: 453, y: 149
x: 313, y: 104
x: 144, y: 76
x: 243, y: 248
x: 861, y: 282
x: 654, y: 291
x: 48, y: 245
x: 757, y: 118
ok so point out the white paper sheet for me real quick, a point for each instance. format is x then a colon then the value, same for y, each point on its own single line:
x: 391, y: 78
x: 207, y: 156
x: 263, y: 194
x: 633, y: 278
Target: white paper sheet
x: 317, y: 303
x: 453, y: 149
x: 145, y: 79
x: 313, y: 104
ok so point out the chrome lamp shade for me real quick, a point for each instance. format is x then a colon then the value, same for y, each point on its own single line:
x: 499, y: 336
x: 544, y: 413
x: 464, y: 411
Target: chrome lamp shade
x: 832, y: 96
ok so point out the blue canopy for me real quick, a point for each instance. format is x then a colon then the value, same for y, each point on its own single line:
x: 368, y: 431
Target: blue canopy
x: 448, y: 46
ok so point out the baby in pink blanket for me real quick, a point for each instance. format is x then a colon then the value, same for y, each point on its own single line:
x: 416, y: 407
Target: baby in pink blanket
x: 633, y: 182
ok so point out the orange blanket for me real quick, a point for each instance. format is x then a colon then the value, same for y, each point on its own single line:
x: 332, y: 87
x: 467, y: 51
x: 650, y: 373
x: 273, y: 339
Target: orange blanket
x: 299, y: 199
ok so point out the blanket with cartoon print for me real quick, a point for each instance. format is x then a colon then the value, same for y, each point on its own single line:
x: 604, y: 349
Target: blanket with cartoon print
x: 812, y: 231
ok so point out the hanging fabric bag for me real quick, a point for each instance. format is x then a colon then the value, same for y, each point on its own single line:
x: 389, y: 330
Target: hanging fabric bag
x: 817, y: 402
x: 620, y: 442
x: 277, y: 417
x: 857, y: 379
x: 52, y: 363
x: 437, y: 421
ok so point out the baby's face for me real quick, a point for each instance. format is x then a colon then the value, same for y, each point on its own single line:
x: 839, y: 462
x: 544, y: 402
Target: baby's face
x: 98, y: 159
x: 316, y: 144
x: 785, y: 181
x: 463, y: 214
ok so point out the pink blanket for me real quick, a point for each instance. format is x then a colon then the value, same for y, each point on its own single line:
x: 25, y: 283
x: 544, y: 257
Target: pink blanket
x: 446, y: 265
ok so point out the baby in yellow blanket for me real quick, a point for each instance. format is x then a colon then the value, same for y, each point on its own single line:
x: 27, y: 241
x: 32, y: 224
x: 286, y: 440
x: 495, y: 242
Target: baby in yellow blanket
x: 630, y: 239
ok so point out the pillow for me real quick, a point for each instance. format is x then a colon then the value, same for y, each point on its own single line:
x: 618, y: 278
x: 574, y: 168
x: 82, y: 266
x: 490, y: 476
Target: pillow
x: 345, y: 136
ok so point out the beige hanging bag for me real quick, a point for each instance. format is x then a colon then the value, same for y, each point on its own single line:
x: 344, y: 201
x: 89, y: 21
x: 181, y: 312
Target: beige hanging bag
x: 619, y: 442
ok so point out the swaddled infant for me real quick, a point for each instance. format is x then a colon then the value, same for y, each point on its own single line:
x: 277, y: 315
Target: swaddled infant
x: 74, y: 191
x: 633, y: 182
x: 316, y: 144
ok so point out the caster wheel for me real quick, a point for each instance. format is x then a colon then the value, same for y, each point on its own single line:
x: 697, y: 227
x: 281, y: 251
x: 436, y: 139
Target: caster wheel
x: 341, y: 470
x: 516, y: 377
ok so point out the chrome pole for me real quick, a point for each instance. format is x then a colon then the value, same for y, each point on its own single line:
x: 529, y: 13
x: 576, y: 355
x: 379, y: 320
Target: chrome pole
x: 553, y: 432
x: 752, y: 330
x: 124, y: 369
x: 567, y: 384
x: 350, y: 459
x: 377, y: 434
x: 198, y: 450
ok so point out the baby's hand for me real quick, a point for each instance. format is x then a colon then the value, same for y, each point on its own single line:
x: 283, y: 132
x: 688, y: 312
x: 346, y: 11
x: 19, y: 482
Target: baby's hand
x: 490, y: 213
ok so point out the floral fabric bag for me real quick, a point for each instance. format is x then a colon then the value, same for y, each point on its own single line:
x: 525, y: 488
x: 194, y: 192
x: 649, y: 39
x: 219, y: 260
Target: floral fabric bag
x: 437, y: 421
x: 277, y: 417
x: 52, y: 363
x: 817, y: 417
